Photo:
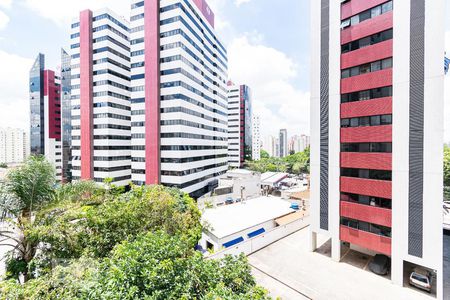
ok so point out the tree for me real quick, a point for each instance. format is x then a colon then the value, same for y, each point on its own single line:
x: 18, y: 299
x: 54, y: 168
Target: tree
x: 27, y: 188
x: 264, y: 154
x: 95, y: 225
x: 153, y: 266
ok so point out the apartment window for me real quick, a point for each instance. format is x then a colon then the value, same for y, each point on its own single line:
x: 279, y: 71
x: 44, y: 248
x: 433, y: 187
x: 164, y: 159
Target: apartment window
x: 367, y: 121
x: 367, y: 95
x: 366, y: 15
x: 367, y: 174
x: 367, y: 41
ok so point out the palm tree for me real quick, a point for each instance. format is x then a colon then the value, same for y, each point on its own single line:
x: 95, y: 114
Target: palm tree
x: 26, y: 189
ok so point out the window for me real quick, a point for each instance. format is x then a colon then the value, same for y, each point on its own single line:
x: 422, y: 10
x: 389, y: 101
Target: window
x: 365, y: 16
x: 354, y: 71
x: 346, y: 73
x: 375, y: 66
x: 345, y: 24
x: 386, y: 63
x: 386, y: 7
x: 386, y: 119
x: 345, y: 123
x: 365, y: 69
x: 364, y: 121
x: 375, y: 120
x: 354, y: 122
x: 354, y: 20
x: 367, y: 41
x: 376, y: 11
x: 364, y: 95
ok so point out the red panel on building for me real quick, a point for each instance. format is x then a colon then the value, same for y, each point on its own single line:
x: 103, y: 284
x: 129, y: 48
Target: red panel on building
x: 206, y: 11
x: 368, y: 27
x: 366, y: 240
x: 367, y: 54
x: 352, y: 8
x: 373, y: 161
x: 381, y: 106
x: 366, y: 81
x: 367, y: 187
x: 370, y: 214
x: 152, y: 93
x: 86, y: 95
x: 375, y: 134
x: 52, y: 92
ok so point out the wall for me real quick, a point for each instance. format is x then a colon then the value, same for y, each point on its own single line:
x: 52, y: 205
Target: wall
x: 261, y: 241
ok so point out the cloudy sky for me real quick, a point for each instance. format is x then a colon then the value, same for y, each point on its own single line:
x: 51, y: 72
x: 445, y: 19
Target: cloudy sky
x: 268, y: 48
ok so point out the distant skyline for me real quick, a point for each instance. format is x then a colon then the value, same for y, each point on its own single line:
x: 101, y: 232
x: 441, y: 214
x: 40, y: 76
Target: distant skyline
x: 268, y: 47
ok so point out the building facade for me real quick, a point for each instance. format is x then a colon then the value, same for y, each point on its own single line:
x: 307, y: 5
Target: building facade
x: 178, y: 95
x: 13, y: 145
x: 256, y: 138
x: 269, y: 145
x: 239, y: 125
x: 283, y: 144
x: 377, y: 130
x: 66, y: 116
x: 101, y: 112
x: 45, y: 114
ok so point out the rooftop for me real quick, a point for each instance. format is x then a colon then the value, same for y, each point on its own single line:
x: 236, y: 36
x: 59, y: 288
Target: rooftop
x: 229, y: 219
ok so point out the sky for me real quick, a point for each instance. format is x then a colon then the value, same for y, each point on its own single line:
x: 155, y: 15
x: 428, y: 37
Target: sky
x: 267, y: 41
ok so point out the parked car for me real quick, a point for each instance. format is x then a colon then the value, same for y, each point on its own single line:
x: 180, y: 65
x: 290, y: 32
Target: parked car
x: 229, y: 200
x: 421, y: 279
x: 380, y: 264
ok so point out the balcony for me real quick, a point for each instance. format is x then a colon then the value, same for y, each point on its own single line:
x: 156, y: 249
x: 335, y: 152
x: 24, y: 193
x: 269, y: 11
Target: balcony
x: 371, y: 241
x: 374, y: 134
x: 368, y: 27
x: 366, y: 213
x: 375, y: 107
x: 366, y: 81
x: 368, y: 187
x: 357, y: 6
x: 367, y: 54
x: 372, y: 161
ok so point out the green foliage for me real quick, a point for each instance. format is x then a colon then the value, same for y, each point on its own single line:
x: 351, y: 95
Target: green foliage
x: 446, y: 165
x: 297, y: 163
x: 93, y: 226
x: 32, y: 183
x: 264, y: 154
x: 154, y: 266
x: 3, y: 166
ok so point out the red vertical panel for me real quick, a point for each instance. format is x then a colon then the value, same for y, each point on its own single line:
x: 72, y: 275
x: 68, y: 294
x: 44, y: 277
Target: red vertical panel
x: 367, y: 81
x: 51, y: 91
x: 368, y: 27
x: 86, y: 95
x: 355, y: 7
x: 152, y: 92
x: 371, y: 241
x: 381, y: 106
x: 206, y: 11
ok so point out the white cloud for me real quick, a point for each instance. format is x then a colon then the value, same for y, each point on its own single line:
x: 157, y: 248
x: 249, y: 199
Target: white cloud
x: 14, y: 109
x: 5, y: 3
x: 63, y: 11
x: 240, y: 2
x: 4, y: 20
x: 270, y: 73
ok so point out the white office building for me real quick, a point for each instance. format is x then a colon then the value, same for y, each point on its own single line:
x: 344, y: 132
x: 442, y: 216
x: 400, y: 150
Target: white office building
x: 13, y: 145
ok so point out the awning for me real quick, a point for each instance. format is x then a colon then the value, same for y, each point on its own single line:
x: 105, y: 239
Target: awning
x: 289, y: 218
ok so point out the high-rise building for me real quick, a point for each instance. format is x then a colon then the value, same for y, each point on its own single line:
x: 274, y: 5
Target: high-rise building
x: 269, y: 145
x: 45, y: 114
x: 101, y: 112
x: 283, y: 143
x: 239, y: 125
x: 377, y: 130
x: 256, y: 138
x: 66, y: 116
x: 178, y: 95
x: 13, y: 145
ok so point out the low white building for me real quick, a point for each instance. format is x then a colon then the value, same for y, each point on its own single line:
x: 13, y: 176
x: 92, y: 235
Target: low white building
x: 235, y: 185
x: 230, y: 225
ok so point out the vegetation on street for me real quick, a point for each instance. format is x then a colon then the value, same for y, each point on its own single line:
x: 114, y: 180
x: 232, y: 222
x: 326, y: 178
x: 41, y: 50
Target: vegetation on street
x: 297, y: 163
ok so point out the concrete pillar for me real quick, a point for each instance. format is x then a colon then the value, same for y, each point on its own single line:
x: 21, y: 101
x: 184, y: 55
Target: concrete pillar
x: 397, y: 271
x: 336, y: 249
x: 313, y: 241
